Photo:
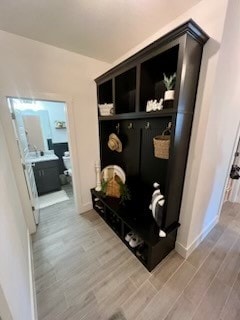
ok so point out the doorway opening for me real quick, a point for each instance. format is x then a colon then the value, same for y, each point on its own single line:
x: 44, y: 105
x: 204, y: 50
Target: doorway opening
x: 232, y: 190
x: 230, y: 207
x: 42, y: 134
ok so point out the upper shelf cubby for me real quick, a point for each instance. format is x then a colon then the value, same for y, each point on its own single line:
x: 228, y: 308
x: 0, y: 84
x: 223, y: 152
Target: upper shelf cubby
x: 152, y: 70
x: 125, y: 92
x: 132, y: 83
x: 105, y: 92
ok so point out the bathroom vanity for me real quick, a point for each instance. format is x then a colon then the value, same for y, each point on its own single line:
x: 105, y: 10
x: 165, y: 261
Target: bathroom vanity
x: 46, y: 173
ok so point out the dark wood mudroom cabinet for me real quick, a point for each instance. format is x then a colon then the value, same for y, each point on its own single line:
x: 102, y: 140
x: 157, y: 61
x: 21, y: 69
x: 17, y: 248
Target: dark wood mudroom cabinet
x: 129, y: 86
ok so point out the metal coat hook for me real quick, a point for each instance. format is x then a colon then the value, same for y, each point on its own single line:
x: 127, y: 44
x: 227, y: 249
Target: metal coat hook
x: 130, y: 125
x: 147, y: 125
x: 118, y: 128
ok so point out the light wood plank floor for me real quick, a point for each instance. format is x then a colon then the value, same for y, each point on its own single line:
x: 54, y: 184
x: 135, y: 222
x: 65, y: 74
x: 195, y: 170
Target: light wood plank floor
x: 83, y: 271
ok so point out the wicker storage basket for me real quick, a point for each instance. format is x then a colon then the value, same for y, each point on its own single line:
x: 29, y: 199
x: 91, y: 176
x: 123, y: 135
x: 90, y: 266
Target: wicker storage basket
x: 106, y: 109
x: 161, y: 146
x: 113, y: 188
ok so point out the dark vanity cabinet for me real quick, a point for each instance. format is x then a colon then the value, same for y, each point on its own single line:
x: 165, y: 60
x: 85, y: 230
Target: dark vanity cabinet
x: 129, y: 86
x: 46, y: 175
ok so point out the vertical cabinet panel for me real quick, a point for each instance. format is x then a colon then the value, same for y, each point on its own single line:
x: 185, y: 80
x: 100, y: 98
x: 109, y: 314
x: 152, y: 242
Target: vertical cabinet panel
x: 108, y: 157
x: 131, y: 138
x: 128, y: 159
x: 131, y: 148
x: 152, y: 169
x: 176, y: 172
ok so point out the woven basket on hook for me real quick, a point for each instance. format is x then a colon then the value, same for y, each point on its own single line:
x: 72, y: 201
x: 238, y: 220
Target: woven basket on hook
x: 161, y: 145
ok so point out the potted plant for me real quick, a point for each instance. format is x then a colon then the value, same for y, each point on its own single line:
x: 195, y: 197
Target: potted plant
x: 169, y: 83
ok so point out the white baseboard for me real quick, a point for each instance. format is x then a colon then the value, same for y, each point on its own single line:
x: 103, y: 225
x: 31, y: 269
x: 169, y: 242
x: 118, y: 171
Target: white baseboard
x: 181, y: 249
x: 186, y: 251
x: 31, y: 279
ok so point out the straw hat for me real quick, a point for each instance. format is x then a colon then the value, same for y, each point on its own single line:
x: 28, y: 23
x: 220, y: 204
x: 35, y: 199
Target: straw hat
x: 114, y: 143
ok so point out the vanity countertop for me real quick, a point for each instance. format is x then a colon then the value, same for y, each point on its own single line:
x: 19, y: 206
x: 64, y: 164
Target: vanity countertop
x: 48, y: 156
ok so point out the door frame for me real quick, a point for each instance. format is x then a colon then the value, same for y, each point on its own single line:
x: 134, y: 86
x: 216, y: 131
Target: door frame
x: 6, y: 120
x: 236, y: 183
x: 5, y: 117
x: 27, y: 167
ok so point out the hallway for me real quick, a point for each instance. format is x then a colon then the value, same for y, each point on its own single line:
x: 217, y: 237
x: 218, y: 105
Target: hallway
x: 83, y: 271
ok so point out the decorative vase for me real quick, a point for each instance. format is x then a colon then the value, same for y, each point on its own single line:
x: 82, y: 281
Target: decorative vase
x: 98, y: 176
x: 168, y: 99
x: 169, y: 95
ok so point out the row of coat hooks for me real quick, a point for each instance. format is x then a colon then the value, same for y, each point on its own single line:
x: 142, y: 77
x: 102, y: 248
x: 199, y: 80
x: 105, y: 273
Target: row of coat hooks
x: 147, y: 126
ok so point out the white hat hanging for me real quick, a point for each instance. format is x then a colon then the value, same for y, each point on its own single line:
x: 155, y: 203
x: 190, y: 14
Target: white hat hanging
x: 114, y: 143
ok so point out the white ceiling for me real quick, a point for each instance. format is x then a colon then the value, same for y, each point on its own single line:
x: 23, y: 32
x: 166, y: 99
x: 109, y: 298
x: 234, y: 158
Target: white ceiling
x: 102, y: 29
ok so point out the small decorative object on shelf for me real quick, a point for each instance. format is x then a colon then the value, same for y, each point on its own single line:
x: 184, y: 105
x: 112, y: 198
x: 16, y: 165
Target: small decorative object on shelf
x: 113, y: 187
x: 156, y: 206
x: 113, y: 183
x: 60, y: 124
x: 153, y: 105
x: 162, y: 143
x: 109, y: 171
x: 98, y: 176
x: 169, y: 84
x: 106, y: 109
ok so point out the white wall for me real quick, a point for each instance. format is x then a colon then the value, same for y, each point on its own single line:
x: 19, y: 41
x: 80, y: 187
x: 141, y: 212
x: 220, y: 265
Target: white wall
x: 222, y: 128
x: 32, y: 69
x: 14, y: 268
x: 206, y: 172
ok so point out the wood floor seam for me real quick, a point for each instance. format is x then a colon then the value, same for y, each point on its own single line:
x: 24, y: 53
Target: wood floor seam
x: 152, y: 297
x: 173, y: 274
x: 230, y: 292
x: 200, y: 301
x: 215, y: 244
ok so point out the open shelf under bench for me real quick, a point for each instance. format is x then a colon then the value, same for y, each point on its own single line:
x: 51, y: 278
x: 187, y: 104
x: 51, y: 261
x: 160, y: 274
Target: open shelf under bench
x: 123, y: 219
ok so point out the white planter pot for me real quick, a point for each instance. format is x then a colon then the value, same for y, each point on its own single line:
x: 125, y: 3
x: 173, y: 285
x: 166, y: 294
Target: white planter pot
x: 169, y: 95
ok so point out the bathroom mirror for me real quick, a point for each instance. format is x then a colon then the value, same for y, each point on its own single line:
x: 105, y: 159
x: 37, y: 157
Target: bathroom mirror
x: 44, y: 124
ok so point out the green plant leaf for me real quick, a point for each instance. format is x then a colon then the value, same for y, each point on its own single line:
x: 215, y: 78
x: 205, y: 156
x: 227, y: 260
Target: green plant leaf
x: 169, y: 82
